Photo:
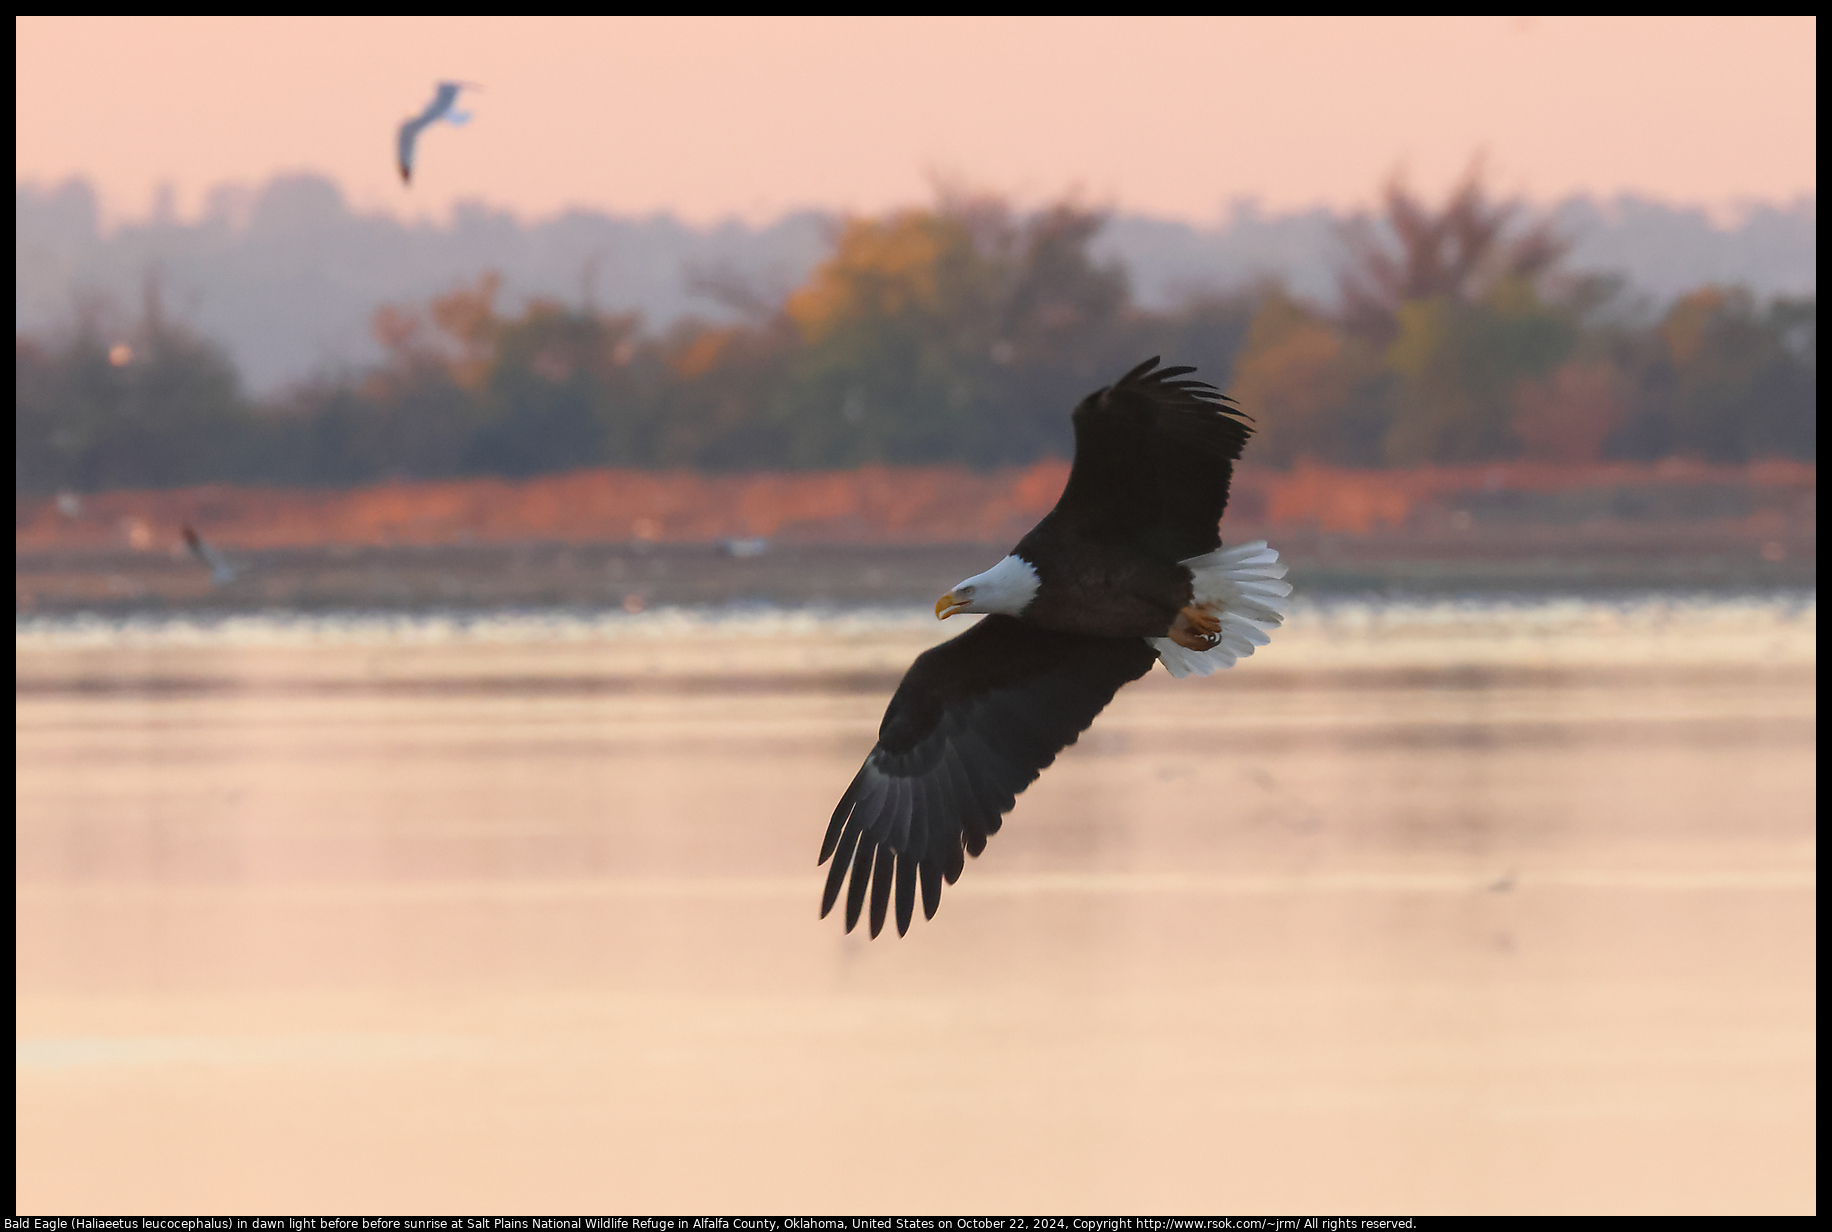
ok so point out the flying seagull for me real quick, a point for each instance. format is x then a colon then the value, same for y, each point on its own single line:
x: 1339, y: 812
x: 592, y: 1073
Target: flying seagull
x: 221, y: 572
x: 1126, y: 571
x: 439, y: 109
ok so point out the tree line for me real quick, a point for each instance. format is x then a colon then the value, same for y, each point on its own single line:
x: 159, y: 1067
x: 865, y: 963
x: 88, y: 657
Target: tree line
x: 960, y: 333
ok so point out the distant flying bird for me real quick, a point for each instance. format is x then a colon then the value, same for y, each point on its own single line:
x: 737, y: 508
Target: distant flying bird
x: 439, y: 109
x: 1126, y: 571
x: 221, y: 572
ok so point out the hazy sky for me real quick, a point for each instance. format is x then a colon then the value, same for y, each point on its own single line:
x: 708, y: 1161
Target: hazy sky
x: 711, y: 117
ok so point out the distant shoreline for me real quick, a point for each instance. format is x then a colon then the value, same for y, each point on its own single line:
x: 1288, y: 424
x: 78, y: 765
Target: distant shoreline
x: 1763, y: 501
x: 597, y: 540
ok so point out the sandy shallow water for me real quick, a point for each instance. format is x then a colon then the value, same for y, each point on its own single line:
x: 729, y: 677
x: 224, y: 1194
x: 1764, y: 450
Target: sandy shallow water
x: 1441, y: 908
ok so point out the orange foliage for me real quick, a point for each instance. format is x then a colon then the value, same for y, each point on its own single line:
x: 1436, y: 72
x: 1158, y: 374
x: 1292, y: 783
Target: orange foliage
x: 1569, y: 416
x: 702, y: 352
x: 879, y: 266
x: 1689, y: 322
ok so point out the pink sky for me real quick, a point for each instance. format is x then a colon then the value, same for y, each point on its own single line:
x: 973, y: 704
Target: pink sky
x: 710, y: 117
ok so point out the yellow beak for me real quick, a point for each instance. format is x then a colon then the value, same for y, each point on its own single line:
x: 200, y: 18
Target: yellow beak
x: 947, y: 606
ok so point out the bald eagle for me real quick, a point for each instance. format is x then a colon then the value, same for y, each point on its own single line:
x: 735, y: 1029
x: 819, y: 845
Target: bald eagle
x: 1126, y: 571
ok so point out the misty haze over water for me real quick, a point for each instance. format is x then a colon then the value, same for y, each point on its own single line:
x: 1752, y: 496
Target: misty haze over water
x: 287, y: 275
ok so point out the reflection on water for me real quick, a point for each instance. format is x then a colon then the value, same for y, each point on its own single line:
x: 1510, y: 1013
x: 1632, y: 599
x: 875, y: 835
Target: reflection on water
x: 1434, y: 908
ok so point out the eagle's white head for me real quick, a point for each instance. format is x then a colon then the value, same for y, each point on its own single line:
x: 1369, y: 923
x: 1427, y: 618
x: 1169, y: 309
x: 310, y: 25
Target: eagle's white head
x: 1007, y: 587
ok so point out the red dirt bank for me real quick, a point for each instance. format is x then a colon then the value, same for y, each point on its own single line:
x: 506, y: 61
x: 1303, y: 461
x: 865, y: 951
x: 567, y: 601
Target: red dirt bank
x: 875, y: 504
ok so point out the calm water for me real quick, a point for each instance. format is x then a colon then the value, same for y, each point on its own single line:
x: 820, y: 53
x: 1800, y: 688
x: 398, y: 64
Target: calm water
x: 1428, y: 908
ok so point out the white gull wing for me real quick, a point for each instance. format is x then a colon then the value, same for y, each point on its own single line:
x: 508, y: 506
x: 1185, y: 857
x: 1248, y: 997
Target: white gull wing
x: 221, y: 571
x: 439, y: 109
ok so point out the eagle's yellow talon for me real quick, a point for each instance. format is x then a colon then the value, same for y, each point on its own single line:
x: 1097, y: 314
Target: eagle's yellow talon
x: 1195, y: 628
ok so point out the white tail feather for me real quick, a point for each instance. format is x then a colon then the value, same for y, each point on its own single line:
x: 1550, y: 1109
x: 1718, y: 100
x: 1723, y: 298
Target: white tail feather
x: 1241, y: 584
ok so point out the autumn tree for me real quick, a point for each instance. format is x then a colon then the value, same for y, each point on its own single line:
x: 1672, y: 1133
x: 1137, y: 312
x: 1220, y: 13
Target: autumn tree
x: 154, y: 406
x: 1461, y: 253
x: 1572, y: 414
x: 958, y: 332
x: 1464, y: 303
x: 1734, y: 380
x: 558, y: 393
x: 1314, y: 389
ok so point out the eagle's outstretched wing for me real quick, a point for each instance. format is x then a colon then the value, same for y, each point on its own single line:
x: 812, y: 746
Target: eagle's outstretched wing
x: 1154, y: 456
x: 974, y: 722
